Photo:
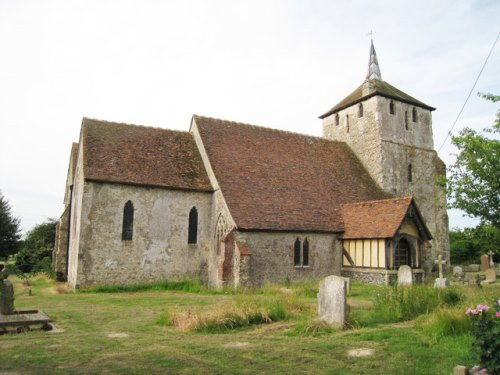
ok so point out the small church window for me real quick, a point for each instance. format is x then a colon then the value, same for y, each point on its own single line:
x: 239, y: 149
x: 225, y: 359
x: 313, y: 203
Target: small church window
x: 406, y: 120
x: 414, y: 114
x: 337, y: 119
x: 305, y: 253
x: 391, y: 107
x: 360, y: 110
x: 193, y: 226
x: 296, y: 253
x: 410, y: 177
x: 128, y: 221
x: 347, y: 122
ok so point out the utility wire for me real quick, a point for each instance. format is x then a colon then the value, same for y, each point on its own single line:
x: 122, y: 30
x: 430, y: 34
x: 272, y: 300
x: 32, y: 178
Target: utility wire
x: 470, y: 93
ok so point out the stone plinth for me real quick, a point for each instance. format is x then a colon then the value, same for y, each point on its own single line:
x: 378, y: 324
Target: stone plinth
x: 441, y: 282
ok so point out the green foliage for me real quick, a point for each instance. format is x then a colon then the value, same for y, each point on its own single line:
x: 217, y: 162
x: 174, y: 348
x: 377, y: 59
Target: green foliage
x: 474, y: 179
x: 486, y: 328
x: 396, y: 303
x: 35, y: 253
x: 468, y: 244
x: 9, y: 229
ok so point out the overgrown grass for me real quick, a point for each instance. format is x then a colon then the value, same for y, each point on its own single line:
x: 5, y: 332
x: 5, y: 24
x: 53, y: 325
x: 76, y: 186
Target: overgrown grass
x: 397, y: 303
x: 445, y: 322
x: 189, y: 285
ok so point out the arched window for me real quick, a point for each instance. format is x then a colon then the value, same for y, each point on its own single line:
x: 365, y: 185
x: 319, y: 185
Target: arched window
x: 193, y: 226
x: 305, y: 253
x: 410, y: 177
x: 296, y: 252
x: 360, y: 110
x: 347, y: 122
x: 391, y: 107
x: 128, y: 221
x: 406, y: 120
x: 337, y: 119
x: 414, y: 114
x: 402, y: 254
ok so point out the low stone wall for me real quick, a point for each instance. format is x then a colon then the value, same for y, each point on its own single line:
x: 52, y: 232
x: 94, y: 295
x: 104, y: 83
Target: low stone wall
x: 379, y: 276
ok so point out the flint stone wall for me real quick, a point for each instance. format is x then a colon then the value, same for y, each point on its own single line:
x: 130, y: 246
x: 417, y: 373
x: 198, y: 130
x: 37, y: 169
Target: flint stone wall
x: 386, y: 147
x: 159, y: 248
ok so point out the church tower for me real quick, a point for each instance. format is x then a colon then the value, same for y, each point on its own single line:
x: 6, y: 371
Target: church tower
x: 391, y: 133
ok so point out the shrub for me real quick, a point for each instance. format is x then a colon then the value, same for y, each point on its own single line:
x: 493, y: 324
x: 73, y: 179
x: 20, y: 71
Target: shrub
x: 485, y: 323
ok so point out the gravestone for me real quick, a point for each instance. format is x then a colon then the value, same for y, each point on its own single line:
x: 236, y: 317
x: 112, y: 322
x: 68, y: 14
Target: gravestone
x: 6, y: 293
x: 485, y: 262
x: 332, y: 297
x: 441, y: 281
x: 491, y: 275
x: 405, y: 276
x: 472, y: 279
x: 473, y: 268
x: 458, y: 271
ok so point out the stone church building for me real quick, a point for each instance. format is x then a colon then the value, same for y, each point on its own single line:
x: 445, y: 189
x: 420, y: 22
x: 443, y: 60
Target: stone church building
x: 236, y: 204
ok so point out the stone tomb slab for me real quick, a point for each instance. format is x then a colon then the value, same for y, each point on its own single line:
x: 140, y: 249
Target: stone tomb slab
x: 491, y: 275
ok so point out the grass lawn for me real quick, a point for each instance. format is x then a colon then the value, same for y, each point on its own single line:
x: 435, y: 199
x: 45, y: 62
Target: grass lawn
x: 91, y: 321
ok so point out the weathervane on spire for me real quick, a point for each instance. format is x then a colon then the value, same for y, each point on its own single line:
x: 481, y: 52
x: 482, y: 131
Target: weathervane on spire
x: 373, y: 68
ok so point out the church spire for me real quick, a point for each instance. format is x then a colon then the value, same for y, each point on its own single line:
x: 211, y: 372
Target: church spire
x: 373, y: 68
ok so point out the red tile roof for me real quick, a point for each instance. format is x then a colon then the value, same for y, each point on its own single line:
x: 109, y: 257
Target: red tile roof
x: 140, y: 155
x: 277, y: 180
x: 375, y: 219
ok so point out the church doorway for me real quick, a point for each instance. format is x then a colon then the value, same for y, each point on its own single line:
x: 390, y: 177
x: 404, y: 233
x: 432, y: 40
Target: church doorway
x: 402, y: 255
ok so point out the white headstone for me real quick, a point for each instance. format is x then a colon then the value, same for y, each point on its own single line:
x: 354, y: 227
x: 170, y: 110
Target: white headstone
x: 405, y: 276
x: 332, y: 296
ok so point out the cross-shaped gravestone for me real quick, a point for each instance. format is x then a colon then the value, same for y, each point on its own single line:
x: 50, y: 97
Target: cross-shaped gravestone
x: 491, y: 253
x: 440, y: 261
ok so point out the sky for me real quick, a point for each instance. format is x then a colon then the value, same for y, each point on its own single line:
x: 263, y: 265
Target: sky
x: 275, y: 63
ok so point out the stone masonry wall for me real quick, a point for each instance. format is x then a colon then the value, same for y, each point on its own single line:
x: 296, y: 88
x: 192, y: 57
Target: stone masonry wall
x: 159, y: 248
x: 272, y: 257
x: 59, y: 255
x: 386, y: 145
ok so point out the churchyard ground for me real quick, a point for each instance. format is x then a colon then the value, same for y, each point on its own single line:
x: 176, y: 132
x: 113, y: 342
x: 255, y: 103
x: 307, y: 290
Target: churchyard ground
x: 129, y: 333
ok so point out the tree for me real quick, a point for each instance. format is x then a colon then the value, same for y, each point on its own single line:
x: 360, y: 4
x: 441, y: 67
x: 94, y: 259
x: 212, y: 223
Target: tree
x: 9, y: 229
x: 35, y: 253
x: 468, y: 244
x: 474, y: 179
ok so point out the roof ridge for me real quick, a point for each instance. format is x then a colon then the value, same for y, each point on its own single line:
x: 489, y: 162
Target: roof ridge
x: 378, y: 200
x: 268, y: 128
x: 93, y: 120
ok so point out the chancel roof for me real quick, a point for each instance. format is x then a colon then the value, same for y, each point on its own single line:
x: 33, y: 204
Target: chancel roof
x: 277, y: 180
x: 380, y: 218
x: 140, y: 155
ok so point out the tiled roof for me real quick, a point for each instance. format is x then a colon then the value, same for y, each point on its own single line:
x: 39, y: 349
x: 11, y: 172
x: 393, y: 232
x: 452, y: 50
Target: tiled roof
x: 277, y: 180
x: 377, y: 87
x: 140, y: 155
x: 374, y: 219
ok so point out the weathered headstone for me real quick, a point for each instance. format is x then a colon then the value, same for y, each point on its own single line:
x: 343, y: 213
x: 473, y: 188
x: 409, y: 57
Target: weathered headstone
x: 405, y: 276
x: 6, y: 293
x: 332, y: 297
x: 458, y: 271
x: 472, y: 279
x: 441, y: 281
x: 491, y: 275
x: 485, y: 262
